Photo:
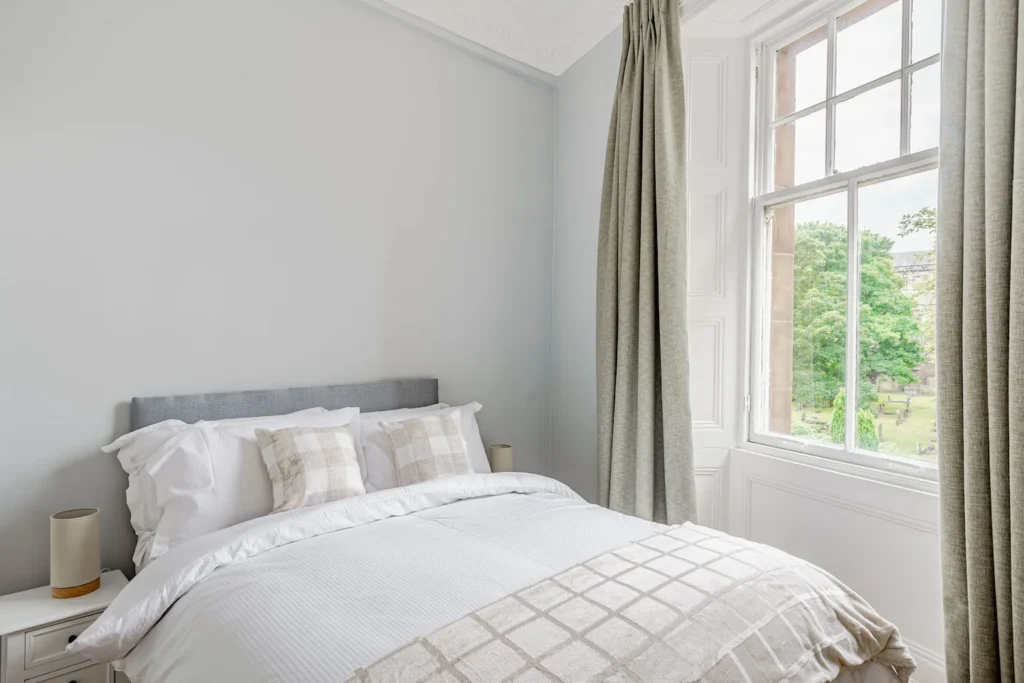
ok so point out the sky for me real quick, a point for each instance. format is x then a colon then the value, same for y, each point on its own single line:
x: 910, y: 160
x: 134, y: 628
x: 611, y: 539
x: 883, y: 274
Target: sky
x: 868, y: 126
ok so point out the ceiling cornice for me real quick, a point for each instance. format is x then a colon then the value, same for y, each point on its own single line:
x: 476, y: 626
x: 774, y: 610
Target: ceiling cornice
x: 691, y: 8
x: 548, y: 35
x: 493, y: 57
x: 540, y: 39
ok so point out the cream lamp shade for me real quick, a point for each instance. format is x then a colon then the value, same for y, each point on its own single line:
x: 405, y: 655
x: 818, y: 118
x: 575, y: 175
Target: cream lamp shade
x: 74, y: 552
x: 500, y: 457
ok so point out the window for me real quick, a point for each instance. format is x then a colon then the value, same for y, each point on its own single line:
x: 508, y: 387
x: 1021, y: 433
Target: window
x: 847, y: 128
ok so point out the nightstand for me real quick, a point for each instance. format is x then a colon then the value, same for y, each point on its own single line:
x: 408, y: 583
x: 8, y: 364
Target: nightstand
x: 35, y: 628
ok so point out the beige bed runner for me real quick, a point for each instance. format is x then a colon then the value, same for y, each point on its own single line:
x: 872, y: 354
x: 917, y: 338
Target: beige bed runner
x: 689, y: 604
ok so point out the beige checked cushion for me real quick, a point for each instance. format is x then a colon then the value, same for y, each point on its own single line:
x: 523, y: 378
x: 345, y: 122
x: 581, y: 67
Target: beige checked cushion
x: 310, y: 466
x: 427, y: 448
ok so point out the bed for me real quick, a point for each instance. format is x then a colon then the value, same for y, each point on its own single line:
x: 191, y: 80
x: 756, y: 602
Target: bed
x: 475, y: 577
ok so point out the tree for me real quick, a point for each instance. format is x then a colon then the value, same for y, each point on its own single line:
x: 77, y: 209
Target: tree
x: 819, y: 313
x: 837, y: 430
x: 889, y: 336
x: 923, y: 287
x: 890, y: 340
x: 924, y: 220
x: 867, y: 431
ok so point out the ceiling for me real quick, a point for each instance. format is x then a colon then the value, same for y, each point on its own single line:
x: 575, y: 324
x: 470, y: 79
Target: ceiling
x: 736, y: 18
x: 550, y: 35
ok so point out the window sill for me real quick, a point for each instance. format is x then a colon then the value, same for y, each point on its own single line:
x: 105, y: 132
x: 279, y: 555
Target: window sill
x: 885, y: 470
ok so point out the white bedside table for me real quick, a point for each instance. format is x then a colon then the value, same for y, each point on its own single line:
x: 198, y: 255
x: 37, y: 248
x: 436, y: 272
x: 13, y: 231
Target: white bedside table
x: 35, y: 628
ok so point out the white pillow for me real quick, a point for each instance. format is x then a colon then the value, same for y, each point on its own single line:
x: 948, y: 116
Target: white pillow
x: 134, y: 451
x: 471, y: 431
x: 213, y: 476
x: 380, y: 460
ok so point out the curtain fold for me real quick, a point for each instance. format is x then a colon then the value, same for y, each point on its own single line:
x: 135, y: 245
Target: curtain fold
x: 644, y: 426
x: 980, y: 337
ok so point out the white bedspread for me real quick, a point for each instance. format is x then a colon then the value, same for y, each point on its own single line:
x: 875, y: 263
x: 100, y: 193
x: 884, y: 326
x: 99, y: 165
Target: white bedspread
x: 314, y: 594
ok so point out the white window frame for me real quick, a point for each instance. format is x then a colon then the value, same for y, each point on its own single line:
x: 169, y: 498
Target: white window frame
x: 763, y: 57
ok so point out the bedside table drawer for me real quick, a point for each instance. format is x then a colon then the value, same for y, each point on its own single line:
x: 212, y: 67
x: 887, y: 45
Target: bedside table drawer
x: 94, y: 673
x: 46, y: 645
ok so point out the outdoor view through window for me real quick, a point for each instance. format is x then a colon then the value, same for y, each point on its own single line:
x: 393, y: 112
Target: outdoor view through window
x: 861, y: 88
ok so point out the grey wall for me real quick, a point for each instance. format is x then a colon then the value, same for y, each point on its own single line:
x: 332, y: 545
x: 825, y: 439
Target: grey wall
x: 216, y: 195
x: 583, y: 110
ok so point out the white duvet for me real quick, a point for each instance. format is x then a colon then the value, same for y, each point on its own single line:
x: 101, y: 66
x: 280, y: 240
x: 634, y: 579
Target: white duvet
x: 314, y: 594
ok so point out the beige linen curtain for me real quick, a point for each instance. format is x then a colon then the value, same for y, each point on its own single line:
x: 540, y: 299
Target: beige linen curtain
x: 981, y: 340
x: 644, y: 430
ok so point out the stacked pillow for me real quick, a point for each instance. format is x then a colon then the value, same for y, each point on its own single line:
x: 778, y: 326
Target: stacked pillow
x: 186, y: 480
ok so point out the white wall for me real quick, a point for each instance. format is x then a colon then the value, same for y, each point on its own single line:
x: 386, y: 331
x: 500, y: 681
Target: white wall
x: 715, y: 176
x: 583, y: 107
x: 239, y: 194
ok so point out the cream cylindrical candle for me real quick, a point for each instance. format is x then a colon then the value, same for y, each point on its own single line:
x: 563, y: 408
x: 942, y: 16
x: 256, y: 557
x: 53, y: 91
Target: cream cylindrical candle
x: 500, y: 457
x: 74, y: 552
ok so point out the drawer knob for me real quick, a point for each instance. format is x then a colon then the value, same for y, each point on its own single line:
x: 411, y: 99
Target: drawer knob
x: 72, y: 639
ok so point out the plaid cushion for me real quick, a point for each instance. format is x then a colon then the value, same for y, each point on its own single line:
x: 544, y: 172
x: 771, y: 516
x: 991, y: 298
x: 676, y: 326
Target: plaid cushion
x: 426, y: 448
x: 310, y: 466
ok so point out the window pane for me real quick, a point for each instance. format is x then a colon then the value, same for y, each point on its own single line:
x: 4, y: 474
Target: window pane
x: 800, y: 150
x: 868, y: 128
x: 896, y: 391
x: 924, y: 108
x: 807, y: 338
x: 800, y: 73
x: 926, y: 32
x: 869, y: 43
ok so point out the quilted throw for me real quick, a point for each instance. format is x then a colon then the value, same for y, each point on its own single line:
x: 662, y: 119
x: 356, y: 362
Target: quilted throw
x: 688, y: 604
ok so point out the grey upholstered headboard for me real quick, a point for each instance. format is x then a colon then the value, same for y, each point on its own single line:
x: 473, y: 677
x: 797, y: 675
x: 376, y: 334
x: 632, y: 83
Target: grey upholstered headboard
x: 403, y: 393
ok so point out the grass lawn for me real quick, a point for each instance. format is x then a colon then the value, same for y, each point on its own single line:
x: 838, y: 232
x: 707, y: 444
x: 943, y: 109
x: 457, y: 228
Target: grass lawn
x: 897, y: 440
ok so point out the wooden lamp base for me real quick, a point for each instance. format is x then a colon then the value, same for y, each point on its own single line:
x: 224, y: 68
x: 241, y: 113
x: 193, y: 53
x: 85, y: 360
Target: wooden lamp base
x: 75, y: 591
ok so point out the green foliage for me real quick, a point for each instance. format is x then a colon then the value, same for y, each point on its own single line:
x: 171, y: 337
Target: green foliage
x: 801, y: 429
x: 819, y: 313
x: 810, y: 430
x: 889, y: 336
x: 867, y: 431
x: 925, y: 220
x: 837, y: 430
